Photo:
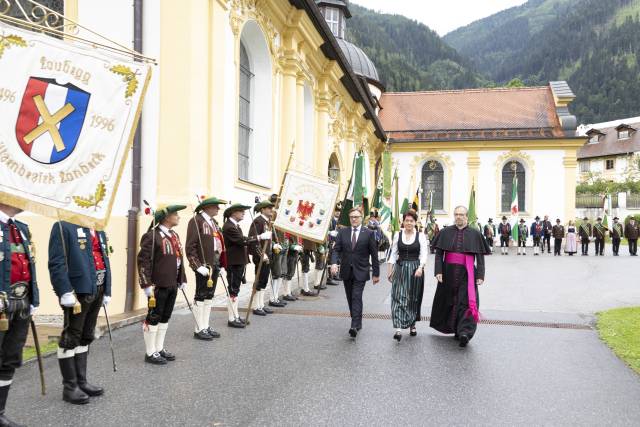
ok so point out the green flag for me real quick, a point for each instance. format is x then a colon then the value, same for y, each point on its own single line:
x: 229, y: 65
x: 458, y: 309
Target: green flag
x: 387, y: 177
x: 607, y: 210
x: 473, y: 217
x: 347, y: 203
x: 405, y: 206
x: 395, y: 218
x: 514, y: 208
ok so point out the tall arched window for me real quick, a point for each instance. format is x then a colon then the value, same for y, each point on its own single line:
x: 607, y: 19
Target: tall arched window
x: 432, y: 186
x: 255, y: 79
x: 244, y: 131
x: 513, y: 168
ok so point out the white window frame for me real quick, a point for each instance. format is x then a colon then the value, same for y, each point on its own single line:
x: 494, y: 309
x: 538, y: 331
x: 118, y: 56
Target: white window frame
x: 623, y: 134
x: 585, y: 166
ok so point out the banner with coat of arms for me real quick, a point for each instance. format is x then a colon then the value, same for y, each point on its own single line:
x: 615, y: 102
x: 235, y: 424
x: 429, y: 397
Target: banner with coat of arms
x: 306, y: 206
x: 68, y: 114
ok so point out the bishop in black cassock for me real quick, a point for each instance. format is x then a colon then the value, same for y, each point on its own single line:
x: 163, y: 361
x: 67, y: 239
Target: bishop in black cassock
x: 459, y: 269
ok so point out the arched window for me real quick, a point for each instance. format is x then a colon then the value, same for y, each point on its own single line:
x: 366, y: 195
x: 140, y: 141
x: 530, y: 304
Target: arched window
x: 513, y: 168
x: 432, y: 186
x: 244, y: 132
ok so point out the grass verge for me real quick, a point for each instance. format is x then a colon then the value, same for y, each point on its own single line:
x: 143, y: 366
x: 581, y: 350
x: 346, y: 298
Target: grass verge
x: 620, y: 329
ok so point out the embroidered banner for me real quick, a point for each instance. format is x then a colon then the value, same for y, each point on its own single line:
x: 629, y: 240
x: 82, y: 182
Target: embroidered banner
x: 306, y: 206
x: 67, y: 118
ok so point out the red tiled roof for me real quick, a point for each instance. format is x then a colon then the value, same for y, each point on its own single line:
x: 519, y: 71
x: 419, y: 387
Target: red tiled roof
x: 504, y: 113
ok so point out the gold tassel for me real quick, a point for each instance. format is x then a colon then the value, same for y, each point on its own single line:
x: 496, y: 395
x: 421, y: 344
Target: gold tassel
x: 4, y: 323
x: 152, y: 301
x: 77, y: 307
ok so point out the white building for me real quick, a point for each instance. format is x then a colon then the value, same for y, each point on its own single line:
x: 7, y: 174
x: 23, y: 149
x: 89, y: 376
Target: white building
x: 445, y: 141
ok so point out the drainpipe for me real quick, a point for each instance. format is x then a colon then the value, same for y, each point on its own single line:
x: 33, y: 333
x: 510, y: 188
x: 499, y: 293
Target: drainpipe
x: 136, y: 168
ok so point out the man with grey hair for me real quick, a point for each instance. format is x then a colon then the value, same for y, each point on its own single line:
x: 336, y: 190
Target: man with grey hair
x: 459, y: 269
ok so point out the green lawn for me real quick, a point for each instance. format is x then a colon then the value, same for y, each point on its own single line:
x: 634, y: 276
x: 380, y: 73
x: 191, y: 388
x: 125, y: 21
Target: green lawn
x: 30, y: 352
x: 620, y: 329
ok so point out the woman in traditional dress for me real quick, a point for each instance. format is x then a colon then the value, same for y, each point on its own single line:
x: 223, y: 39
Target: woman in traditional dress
x: 406, y: 272
x: 571, y: 244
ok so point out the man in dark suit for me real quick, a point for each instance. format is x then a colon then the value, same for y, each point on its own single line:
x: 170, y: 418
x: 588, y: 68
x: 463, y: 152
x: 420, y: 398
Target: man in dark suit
x: 81, y: 277
x: 161, y: 273
x: 354, y: 247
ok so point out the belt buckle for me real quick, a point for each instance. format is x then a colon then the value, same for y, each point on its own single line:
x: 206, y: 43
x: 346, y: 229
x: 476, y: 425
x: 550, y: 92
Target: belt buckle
x: 100, y: 275
x: 19, y: 290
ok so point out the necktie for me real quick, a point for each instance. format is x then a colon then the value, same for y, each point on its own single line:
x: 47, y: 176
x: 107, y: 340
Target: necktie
x: 354, y: 240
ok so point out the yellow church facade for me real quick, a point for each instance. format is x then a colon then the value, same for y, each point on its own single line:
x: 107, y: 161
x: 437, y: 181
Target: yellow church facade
x: 238, y: 82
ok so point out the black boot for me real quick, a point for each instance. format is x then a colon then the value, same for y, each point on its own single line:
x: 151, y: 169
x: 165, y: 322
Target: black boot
x: 4, y: 421
x: 81, y: 373
x: 71, y: 392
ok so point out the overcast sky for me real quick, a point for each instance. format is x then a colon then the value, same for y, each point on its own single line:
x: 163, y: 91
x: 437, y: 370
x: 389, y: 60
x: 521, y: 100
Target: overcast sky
x: 442, y: 16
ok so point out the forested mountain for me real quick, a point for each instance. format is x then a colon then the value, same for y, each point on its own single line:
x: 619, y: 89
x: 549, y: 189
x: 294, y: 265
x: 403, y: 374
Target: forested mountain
x: 408, y: 55
x: 593, y: 44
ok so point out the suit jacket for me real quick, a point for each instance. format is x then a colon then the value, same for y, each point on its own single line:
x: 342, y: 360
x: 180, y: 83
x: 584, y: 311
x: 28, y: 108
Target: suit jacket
x: 163, y: 271
x: 194, y: 252
x: 631, y: 231
x: 616, y: 231
x: 599, y: 231
x: 584, y: 231
x: 5, y: 260
x: 504, y: 229
x: 558, y: 231
x: 547, y: 227
x: 77, y: 270
x: 259, y: 226
x: 236, y: 244
x: 534, y: 230
x: 354, y: 263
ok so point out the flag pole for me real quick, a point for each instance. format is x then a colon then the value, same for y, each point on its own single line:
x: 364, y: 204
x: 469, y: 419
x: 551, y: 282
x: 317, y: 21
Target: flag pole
x: 266, y: 242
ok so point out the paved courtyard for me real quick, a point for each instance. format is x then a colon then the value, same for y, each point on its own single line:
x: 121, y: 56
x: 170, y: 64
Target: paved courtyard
x: 301, y: 369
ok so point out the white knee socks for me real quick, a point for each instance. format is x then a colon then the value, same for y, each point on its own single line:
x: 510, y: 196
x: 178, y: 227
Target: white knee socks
x: 275, y: 289
x: 149, y: 332
x: 206, y: 314
x: 198, y: 308
x: 232, y: 315
x: 162, y: 331
x: 305, y: 281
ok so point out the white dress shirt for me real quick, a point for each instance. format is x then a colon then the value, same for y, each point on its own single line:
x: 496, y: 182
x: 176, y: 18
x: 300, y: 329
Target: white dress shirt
x: 407, y: 240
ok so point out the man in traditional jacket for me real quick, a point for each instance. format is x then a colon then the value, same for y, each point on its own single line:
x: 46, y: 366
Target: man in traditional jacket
x: 261, y: 224
x: 547, y: 228
x: 19, y: 300
x: 80, y: 273
x: 537, y: 231
x: 489, y: 233
x: 504, y: 230
x: 631, y: 233
x: 161, y: 273
x: 310, y: 255
x: 558, y: 235
x: 523, y: 233
x: 278, y: 265
x: 456, y: 302
x: 616, y: 234
x: 205, y: 253
x: 333, y: 234
x: 237, y: 258
x: 293, y: 256
x: 585, y: 232
x: 599, y: 233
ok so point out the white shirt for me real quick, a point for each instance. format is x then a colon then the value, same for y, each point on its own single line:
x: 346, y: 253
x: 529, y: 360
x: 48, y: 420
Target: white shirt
x: 236, y: 223
x: 357, y: 232
x: 164, y: 230
x: 5, y: 218
x: 209, y: 220
x: 424, y: 247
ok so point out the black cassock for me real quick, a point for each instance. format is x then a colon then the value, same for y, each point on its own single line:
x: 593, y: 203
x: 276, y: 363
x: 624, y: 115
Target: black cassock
x: 450, y: 312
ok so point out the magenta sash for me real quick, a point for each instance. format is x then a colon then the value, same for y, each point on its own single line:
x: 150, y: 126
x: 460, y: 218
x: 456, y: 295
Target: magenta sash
x: 467, y: 261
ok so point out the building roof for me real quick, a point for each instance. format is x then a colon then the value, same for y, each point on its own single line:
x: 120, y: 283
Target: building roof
x: 473, y: 114
x: 332, y: 50
x: 360, y: 62
x: 608, y: 143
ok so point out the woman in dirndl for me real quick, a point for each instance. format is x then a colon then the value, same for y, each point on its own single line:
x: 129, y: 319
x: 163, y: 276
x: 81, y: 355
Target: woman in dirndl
x: 571, y: 244
x: 406, y: 273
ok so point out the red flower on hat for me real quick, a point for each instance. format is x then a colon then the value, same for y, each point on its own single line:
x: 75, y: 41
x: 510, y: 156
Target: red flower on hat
x: 202, y: 197
x: 147, y: 211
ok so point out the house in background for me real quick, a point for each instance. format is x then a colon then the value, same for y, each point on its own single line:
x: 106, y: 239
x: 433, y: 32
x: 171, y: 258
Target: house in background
x: 611, y: 152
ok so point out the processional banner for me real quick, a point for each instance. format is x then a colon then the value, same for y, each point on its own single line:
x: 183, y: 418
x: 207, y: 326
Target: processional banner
x: 306, y: 206
x: 68, y: 114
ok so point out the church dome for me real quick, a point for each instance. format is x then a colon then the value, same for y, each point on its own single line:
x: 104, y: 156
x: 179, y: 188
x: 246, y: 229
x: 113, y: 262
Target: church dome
x: 359, y: 61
